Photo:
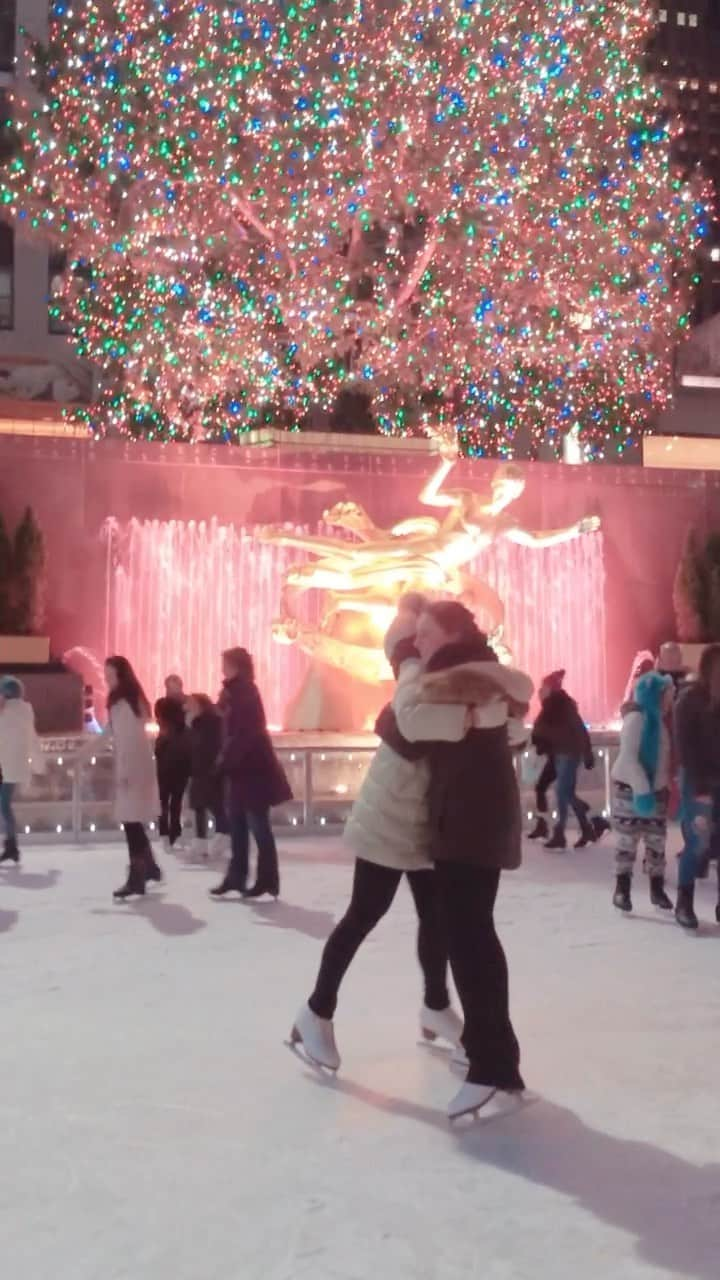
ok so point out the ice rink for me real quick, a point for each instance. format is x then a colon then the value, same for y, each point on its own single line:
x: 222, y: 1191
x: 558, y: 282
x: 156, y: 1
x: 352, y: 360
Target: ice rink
x: 154, y: 1126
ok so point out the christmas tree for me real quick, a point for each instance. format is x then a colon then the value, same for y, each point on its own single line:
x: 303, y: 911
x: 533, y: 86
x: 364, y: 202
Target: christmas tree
x: 467, y: 211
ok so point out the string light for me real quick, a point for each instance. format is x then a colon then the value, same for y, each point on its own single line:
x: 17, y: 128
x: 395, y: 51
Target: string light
x: 467, y: 211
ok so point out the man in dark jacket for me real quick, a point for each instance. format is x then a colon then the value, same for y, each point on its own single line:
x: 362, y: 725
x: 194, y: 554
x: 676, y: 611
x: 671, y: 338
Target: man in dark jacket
x: 560, y: 733
x: 697, y: 728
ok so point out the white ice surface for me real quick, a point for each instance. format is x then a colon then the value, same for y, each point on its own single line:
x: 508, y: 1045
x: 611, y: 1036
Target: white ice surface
x: 153, y: 1126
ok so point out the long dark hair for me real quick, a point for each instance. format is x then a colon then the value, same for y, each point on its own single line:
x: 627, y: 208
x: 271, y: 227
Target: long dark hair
x: 242, y: 661
x: 128, y: 687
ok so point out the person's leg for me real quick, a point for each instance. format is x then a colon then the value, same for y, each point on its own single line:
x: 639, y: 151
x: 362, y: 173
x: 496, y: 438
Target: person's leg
x: 479, y: 968
x: 432, y: 947
x: 164, y: 819
x: 11, y: 852
x: 566, y: 769
x: 201, y: 824
x: 237, y: 872
x: 695, y: 822
x: 543, y: 785
x: 373, y: 890
x: 175, y: 811
x: 267, y: 879
x: 626, y: 828
x: 137, y: 875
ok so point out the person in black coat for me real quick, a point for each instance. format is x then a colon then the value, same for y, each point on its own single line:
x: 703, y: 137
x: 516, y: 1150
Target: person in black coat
x: 172, y: 759
x: 255, y: 780
x: 560, y: 733
x: 205, y: 730
x: 470, y: 711
x: 697, y: 730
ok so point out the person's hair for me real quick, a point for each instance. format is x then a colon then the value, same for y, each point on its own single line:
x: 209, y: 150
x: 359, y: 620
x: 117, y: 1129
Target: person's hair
x: 175, y: 678
x: 454, y: 619
x: 128, y: 687
x: 169, y: 713
x: 709, y: 672
x: 242, y: 661
x: 203, y: 701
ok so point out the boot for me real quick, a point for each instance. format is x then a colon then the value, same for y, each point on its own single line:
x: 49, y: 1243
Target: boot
x: 10, y: 853
x: 259, y: 890
x: 587, y: 835
x: 658, y: 896
x: 685, y: 907
x: 441, y: 1024
x: 558, y: 840
x: 703, y: 867
x: 135, y: 883
x: 540, y: 831
x: 621, y: 896
x: 152, y: 870
x: 317, y: 1037
x: 600, y: 826
x: 228, y: 885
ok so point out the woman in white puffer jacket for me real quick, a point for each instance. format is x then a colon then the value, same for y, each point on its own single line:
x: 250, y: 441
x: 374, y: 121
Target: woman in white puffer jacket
x: 389, y: 834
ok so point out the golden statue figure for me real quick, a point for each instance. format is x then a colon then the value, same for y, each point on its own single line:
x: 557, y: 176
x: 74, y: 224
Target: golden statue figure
x: 363, y: 578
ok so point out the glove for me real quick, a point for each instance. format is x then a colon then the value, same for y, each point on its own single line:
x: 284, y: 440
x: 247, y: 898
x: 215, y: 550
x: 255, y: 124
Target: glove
x: 645, y: 805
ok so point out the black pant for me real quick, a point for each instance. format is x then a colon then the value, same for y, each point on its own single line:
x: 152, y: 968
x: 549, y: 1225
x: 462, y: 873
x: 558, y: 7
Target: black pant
x: 171, y: 798
x: 543, y: 785
x: 479, y: 967
x: 373, y: 891
x: 201, y: 816
x: 139, y: 848
x: 268, y: 873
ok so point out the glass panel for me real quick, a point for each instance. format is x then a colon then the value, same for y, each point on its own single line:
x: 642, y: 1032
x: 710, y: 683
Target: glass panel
x: 46, y: 804
x: 291, y: 814
x: 336, y: 779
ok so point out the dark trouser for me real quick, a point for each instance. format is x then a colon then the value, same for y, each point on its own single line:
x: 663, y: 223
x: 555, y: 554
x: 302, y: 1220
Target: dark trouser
x: 567, y: 771
x: 139, y: 847
x: 479, y: 967
x: 171, y: 798
x: 7, y: 791
x: 201, y: 817
x: 543, y: 785
x: 242, y: 823
x: 373, y: 891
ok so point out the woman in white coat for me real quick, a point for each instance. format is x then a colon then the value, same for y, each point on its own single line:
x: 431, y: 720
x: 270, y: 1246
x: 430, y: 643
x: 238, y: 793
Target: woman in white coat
x: 389, y: 834
x: 136, y: 792
x: 20, y: 756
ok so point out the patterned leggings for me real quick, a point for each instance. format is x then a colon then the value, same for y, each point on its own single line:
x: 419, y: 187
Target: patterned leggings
x: 630, y: 830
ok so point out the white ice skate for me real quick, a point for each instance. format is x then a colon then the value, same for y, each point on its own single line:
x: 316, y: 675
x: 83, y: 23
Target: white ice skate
x: 470, y: 1100
x: 317, y: 1037
x: 441, y: 1024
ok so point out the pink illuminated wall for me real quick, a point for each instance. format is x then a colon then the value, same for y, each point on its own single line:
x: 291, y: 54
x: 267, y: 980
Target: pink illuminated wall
x: 181, y: 592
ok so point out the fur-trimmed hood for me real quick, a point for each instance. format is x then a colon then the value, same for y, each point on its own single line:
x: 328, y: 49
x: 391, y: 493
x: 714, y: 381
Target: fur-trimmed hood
x: 477, y: 684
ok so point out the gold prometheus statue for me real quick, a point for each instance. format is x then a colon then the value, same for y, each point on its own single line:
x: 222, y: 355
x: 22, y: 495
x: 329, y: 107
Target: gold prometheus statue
x: 363, y: 578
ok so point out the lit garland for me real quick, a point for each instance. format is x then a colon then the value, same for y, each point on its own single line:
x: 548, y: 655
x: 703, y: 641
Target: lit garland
x: 466, y: 210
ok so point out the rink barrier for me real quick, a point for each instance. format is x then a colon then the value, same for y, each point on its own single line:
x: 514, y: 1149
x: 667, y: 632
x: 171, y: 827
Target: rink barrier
x: 73, y: 801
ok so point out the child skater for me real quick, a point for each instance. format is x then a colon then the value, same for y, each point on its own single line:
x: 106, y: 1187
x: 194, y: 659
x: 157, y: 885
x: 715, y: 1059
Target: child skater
x: 641, y: 778
x: 205, y: 782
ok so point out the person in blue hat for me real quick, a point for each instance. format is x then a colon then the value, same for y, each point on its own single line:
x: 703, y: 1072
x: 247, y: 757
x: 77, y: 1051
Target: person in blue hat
x: 20, y: 756
x: 641, y: 778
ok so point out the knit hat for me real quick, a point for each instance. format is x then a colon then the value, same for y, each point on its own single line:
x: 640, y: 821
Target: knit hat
x: 11, y: 688
x: 554, y: 681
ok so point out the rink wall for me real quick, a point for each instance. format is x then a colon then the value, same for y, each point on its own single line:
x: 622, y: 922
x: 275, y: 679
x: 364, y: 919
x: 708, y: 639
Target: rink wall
x: 76, y: 486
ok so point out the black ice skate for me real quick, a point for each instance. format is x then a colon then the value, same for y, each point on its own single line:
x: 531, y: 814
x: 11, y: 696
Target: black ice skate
x: 685, y: 908
x: 557, y: 841
x: 621, y: 896
x: 259, y: 890
x: 134, y: 885
x: 658, y: 896
x: 10, y: 853
x: 228, y: 885
x: 600, y: 825
x: 540, y: 831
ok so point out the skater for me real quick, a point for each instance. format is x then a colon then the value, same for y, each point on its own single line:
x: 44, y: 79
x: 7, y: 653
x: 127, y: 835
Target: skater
x: 469, y: 710
x: 388, y: 831
x: 205, y: 734
x: 20, y: 756
x: 172, y: 758
x: 697, y: 727
x: 254, y: 779
x: 136, y: 793
x: 561, y: 731
x: 546, y: 778
x: 641, y: 788
x: 175, y: 689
